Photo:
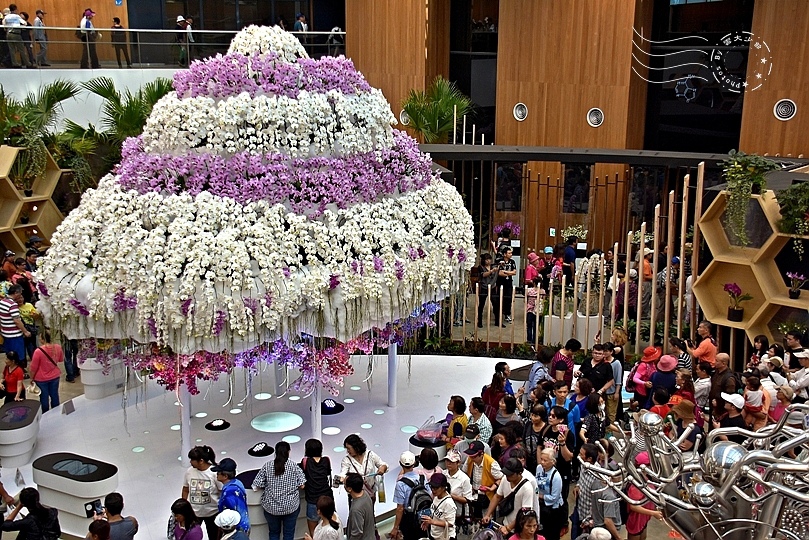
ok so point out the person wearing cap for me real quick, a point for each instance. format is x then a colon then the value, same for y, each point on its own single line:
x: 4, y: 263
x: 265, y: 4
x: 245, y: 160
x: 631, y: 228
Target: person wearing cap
x: 706, y: 351
x: 734, y: 403
x: 229, y: 522
x: 121, y: 528
x: 41, y: 37
x: 643, y: 374
x: 409, y: 529
x: 665, y: 376
x: 233, y: 496
x: 460, y: 486
x: 484, y: 473
x: 180, y: 37
x: 532, y: 268
x: 800, y: 378
x: 8, y: 264
x: 523, y: 495
x: 683, y: 414
x: 441, y: 522
x: 784, y: 396
x: 89, y: 56
x: 472, y: 433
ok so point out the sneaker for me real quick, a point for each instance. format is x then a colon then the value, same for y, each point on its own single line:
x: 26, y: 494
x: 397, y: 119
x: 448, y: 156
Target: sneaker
x: 480, y: 325
x: 509, y: 319
x: 457, y: 324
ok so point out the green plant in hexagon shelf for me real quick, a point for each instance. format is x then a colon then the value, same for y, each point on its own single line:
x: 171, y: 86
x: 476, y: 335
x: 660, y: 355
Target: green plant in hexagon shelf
x: 736, y: 296
x: 744, y: 174
x: 794, y: 203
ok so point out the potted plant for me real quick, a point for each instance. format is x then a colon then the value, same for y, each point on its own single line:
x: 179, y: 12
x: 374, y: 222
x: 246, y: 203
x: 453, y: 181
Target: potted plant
x: 744, y: 174
x: 22, y: 174
x: 796, y: 281
x: 24, y: 217
x: 432, y: 114
x: 735, y: 312
x: 575, y: 230
x: 794, y: 202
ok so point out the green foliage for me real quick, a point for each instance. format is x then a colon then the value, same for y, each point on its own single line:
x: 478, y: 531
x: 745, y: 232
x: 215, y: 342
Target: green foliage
x: 432, y: 113
x: 661, y: 334
x: 742, y: 172
x: 794, y: 203
x: 73, y: 152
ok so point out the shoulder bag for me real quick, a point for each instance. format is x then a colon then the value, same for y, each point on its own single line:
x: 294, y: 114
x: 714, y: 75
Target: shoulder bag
x: 506, y: 506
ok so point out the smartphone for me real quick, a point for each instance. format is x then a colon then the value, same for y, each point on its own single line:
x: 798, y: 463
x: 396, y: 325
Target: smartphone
x: 93, y: 508
x: 562, y: 428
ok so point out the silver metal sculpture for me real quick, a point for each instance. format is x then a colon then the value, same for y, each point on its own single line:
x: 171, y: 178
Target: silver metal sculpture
x: 758, y: 490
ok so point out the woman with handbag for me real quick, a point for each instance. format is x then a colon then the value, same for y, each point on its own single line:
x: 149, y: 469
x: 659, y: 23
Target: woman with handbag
x: 364, y: 462
x: 13, y: 374
x: 45, y: 371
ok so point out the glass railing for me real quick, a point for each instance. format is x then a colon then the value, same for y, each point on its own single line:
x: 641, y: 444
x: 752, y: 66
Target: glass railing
x: 108, y: 48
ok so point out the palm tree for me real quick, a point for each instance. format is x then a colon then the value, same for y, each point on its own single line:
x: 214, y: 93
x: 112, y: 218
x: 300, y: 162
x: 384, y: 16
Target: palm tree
x: 433, y: 113
x: 122, y: 115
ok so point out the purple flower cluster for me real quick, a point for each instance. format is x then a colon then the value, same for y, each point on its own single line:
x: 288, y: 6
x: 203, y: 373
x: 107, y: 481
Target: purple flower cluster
x: 219, y: 322
x: 43, y: 290
x: 251, y: 304
x: 399, y: 268
x: 230, y: 75
x: 379, y: 264
x: 308, y: 184
x: 79, y: 307
x: 122, y: 302
x: 152, y: 324
x: 334, y: 281
x: 185, y: 307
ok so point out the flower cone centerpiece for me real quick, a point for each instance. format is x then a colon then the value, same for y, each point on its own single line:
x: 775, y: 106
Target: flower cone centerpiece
x: 269, y: 198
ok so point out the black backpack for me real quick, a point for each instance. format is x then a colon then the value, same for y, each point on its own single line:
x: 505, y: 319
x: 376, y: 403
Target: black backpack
x: 418, y: 502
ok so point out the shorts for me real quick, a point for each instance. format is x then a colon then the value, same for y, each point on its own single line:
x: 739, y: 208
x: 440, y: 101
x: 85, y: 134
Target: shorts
x: 311, y: 512
x: 753, y: 408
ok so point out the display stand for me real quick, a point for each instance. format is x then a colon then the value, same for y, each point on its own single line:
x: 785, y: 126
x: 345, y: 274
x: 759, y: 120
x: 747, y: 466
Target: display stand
x: 19, y: 427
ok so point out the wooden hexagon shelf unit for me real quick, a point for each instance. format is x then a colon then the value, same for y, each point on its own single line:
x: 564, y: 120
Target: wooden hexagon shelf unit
x: 763, y: 213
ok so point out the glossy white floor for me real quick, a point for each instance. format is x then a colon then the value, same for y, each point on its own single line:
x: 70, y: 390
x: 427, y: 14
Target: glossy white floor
x: 141, y: 435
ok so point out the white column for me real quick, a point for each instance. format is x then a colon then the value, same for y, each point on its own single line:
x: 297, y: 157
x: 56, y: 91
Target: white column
x: 280, y: 379
x: 392, y: 373
x: 317, y: 418
x: 185, y: 424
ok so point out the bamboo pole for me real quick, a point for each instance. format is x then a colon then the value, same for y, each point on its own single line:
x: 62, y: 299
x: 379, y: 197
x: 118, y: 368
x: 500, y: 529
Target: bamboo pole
x: 441, y: 315
x: 463, y: 314
x: 489, y: 316
x: 626, y: 285
x: 512, y: 319
x: 639, y: 306
x: 602, y: 285
x: 550, y: 312
x: 562, y: 309
x: 587, y: 289
x: 473, y: 134
x: 463, y: 136
x: 539, y: 307
x: 500, y: 318
x: 696, y: 241
x: 669, y: 255
x: 454, y: 124
x: 575, y: 317
x: 683, y: 233
x: 477, y: 308
x: 655, y: 266
x: 615, y: 287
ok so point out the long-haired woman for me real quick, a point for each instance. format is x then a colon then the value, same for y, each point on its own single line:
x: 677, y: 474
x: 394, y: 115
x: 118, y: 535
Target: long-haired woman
x: 41, y: 521
x: 281, y: 479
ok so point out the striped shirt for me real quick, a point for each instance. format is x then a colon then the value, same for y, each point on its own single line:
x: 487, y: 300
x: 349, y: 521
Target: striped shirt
x: 9, y: 311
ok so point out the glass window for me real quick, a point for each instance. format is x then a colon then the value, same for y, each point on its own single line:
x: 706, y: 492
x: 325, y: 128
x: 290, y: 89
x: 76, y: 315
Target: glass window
x: 576, y: 189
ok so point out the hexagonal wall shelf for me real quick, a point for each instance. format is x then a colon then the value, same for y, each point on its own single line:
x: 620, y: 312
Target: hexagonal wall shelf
x: 714, y: 301
x: 22, y: 217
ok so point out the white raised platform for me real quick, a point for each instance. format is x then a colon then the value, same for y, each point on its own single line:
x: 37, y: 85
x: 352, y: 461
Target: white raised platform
x: 19, y: 428
x: 136, y: 434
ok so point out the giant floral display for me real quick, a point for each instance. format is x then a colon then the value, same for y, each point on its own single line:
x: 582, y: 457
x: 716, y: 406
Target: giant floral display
x: 269, y: 201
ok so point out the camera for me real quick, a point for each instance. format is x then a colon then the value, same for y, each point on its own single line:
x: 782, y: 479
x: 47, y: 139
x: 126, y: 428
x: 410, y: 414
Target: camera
x: 336, y: 481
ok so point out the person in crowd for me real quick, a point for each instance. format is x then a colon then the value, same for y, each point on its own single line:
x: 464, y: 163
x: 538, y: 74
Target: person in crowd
x: 526, y: 526
x: 569, y: 258
x: 640, y: 515
x: 317, y: 470
x: 733, y: 404
x: 27, y: 38
x: 583, y: 389
x: 477, y: 417
x: 663, y: 377
x: 531, y: 297
x: 546, y: 267
x: 560, y: 438
x: 121, y: 527
x: 562, y: 398
x: 99, y: 529
x: 89, y: 55
x: 612, y: 395
x: 118, y: 34
x: 228, y: 522
x: 456, y: 421
x: 405, y: 522
x: 684, y: 387
x: 793, y: 345
x: 594, y: 425
x: 45, y: 371
x: 506, y: 412
x: 503, y: 240
x: 553, y: 515
x: 281, y: 480
x: 598, y: 372
x: 328, y: 527
x: 643, y: 375
x: 532, y: 434
x: 631, y: 303
x: 800, y: 378
x: 523, y: 495
x: 702, y: 386
x: 585, y: 492
x: 441, y: 521
x: 485, y: 475
x: 784, y: 394
x: 492, y: 394
x: 8, y: 264
x: 41, y: 37
x: 532, y: 268
x: 723, y: 381
x: 541, y: 369
x: 660, y: 402
x: 471, y: 434
x: 233, y: 495
x: 679, y: 350
x: 187, y: 526
x: 683, y: 414
x: 360, y: 460
x: 181, y: 38
x: 201, y: 488
x: 505, y: 370
x: 775, y: 364
x: 71, y: 349
x: 40, y: 521
x: 12, y: 328
x: 758, y: 358
x: 606, y: 512
x: 13, y: 384
x: 753, y: 400
x: 460, y: 486
x: 14, y: 25
x: 505, y: 281
x: 488, y: 279
x: 562, y: 362
x: 503, y: 443
x: 361, y: 520
x: 428, y: 463
x: 706, y: 351
x: 29, y: 316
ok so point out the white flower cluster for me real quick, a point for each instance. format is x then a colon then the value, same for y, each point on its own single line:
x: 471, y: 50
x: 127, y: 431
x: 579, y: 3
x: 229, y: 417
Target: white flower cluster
x: 313, y: 124
x: 188, y: 258
x: 264, y: 39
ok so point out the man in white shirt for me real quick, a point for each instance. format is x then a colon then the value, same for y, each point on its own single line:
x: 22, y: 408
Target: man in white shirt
x: 523, y: 495
x: 14, y: 23
x: 460, y: 486
x: 41, y: 37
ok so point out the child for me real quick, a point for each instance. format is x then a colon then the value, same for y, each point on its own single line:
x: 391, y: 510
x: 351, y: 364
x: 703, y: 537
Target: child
x: 753, y: 399
x: 661, y: 400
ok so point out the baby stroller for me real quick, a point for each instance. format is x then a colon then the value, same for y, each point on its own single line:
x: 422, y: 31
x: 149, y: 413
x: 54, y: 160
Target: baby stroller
x: 479, y: 531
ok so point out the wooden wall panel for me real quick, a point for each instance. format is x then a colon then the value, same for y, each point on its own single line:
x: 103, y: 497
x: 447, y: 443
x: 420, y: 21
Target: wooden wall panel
x: 64, y: 46
x: 761, y: 131
x: 438, y: 21
x: 636, y: 113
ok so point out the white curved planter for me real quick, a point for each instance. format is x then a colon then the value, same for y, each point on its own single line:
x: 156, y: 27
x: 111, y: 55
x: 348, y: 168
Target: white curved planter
x: 19, y: 427
x: 97, y: 384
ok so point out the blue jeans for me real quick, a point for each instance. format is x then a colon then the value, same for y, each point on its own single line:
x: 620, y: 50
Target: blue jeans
x: 16, y: 344
x: 49, y: 398
x: 71, y: 348
x: 274, y: 523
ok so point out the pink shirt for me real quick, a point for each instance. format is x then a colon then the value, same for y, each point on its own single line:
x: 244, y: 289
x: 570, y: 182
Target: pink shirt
x: 43, y: 369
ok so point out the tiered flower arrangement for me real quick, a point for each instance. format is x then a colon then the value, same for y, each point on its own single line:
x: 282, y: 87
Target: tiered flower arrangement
x: 268, y: 199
